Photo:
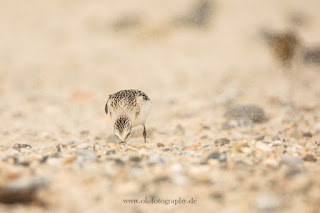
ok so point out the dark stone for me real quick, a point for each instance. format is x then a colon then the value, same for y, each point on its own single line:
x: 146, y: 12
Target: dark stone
x: 217, y: 195
x: 312, y: 56
x: 19, y: 146
x: 245, y: 112
x: 22, y: 190
x: 214, y: 155
x: 111, y: 152
x: 307, y: 134
x: 126, y: 22
x: 160, y: 144
x: 84, y: 132
x: 54, y: 155
x: 135, y: 159
x: 310, y: 158
x: 260, y: 138
x: 117, y: 161
x: 24, y: 163
x: 198, y: 16
x: 222, y: 141
x: 292, y: 172
x: 222, y: 157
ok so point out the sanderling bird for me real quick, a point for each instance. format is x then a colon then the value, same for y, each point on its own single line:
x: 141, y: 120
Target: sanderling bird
x: 128, y: 109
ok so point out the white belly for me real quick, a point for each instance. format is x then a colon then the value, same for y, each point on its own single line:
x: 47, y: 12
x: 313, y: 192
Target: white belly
x: 144, y: 112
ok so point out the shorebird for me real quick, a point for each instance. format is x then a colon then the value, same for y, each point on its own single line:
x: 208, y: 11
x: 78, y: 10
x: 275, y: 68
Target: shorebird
x: 128, y: 109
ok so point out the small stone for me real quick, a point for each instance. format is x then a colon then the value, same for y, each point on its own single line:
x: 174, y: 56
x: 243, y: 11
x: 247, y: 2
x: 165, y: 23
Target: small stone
x: 60, y: 147
x: 251, y: 112
x: 276, y: 138
x: 111, y: 152
x: 292, y: 172
x: 117, y: 161
x: 54, y: 155
x: 290, y: 160
x: 205, y: 127
x: 84, y: 132
x: 156, y: 159
x: 217, y: 156
x: 24, y: 163
x: 135, y: 158
x: 160, y: 179
x: 267, y: 201
x: 19, y: 146
x: 22, y: 190
x: 70, y: 159
x: 276, y: 143
x: 217, y: 195
x: 126, y: 22
x: 222, y: 141
x: 213, y: 155
x: 85, y: 155
x: 310, y: 158
x: 160, y: 144
x: 307, y: 134
x: 260, y: 138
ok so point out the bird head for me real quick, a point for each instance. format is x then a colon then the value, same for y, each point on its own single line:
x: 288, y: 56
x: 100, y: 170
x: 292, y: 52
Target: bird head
x: 122, y: 128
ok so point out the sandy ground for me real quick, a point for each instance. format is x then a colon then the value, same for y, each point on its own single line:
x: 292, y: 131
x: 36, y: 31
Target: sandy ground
x: 60, y: 59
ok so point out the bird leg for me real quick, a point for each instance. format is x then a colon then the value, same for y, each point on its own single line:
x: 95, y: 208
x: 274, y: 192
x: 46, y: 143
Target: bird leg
x: 144, y: 134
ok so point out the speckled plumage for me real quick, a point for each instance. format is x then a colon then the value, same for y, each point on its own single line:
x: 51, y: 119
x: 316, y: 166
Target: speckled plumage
x: 127, y: 109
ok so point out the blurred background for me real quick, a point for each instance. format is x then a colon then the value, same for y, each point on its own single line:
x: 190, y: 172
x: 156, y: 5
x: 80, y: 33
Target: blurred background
x: 59, y: 61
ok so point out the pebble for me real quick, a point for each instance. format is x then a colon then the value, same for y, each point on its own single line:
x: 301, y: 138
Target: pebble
x: 160, y: 144
x: 135, y: 158
x: 246, y: 112
x: 222, y: 141
x: 118, y: 161
x: 260, y: 138
x: 22, y: 190
x: 267, y: 201
x: 290, y: 160
x: 222, y: 157
x: 84, y: 155
x: 276, y: 138
x: 111, y: 152
x: 74, y: 143
x: 156, y: 159
x: 276, y: 143
x: 307, y: 134
x: 19, y: 146
x: 217, y: 195
x: 309, y: 158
